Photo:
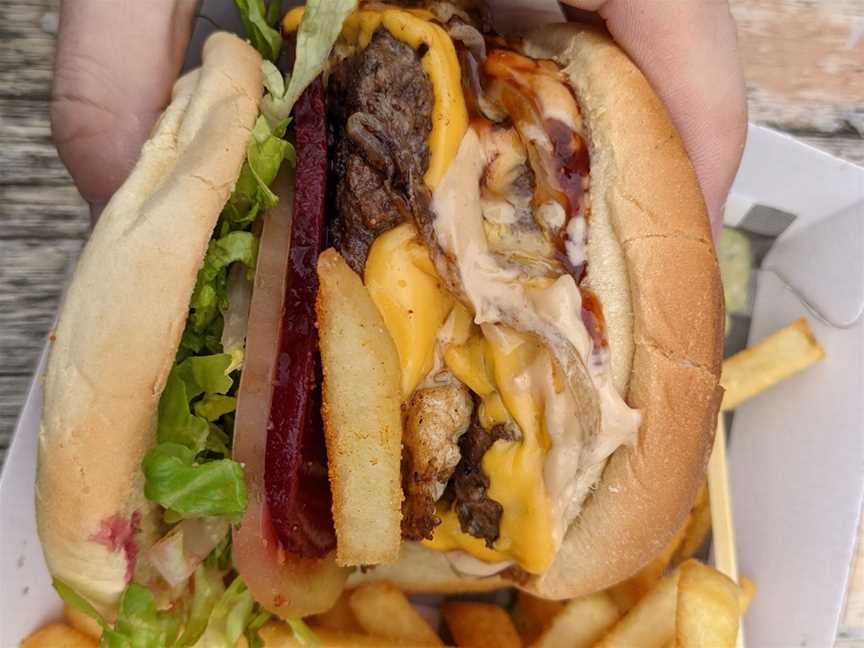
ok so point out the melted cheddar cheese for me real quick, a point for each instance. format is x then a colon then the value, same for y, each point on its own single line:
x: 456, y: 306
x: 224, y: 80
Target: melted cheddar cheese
x: 501, y: 366
x: 409, y: 295
x: 415, y: 27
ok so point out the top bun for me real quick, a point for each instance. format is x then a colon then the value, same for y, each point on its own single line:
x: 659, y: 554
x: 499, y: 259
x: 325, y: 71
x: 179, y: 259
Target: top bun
x: 121, y: 321
x: 651, y: 262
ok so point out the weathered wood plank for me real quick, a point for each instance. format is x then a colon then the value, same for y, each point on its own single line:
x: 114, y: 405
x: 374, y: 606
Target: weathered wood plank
x: 804, y: 62
x: 42, y: 212
x: 27, y: 47
x: 32, y: 276
x: 28, y: 153
x: 13, y: 390
x: 848, y: 147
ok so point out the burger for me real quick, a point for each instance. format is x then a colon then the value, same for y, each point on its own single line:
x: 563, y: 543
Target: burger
x: 400, y: 299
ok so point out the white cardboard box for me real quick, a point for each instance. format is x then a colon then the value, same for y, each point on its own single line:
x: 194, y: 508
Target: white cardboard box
x: 796, y: 455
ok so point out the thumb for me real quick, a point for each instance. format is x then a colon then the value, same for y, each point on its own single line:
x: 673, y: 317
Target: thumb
x: 115, y: 65
x: 688, y: 52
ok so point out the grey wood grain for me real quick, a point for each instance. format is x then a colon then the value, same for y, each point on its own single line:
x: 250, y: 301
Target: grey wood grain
x: 43, y: 221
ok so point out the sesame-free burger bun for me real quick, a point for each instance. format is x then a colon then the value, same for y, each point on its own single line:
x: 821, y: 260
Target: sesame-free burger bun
x: 121, y: 320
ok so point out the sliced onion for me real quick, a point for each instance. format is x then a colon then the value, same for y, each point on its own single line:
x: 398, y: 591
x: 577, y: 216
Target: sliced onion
x: 285, y: 585
x: 236, y: 316
x: 179, y: 552
x: 470, y: 37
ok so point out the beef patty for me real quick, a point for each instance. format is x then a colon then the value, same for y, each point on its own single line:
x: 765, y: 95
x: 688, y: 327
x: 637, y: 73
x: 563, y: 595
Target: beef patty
x: 479, y: 515
x: 380, y: 108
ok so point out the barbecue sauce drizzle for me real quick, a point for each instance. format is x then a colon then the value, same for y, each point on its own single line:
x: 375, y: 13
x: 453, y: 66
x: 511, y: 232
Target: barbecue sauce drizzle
x: 561, y: 175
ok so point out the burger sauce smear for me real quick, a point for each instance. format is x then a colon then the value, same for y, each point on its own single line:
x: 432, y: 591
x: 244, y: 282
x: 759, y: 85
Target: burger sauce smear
x: 295, y: 474
x: 561, y: 164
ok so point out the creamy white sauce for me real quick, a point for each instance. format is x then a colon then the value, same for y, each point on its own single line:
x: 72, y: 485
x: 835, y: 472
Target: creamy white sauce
x: 551, y: 214
x: 467, y: 564
x: 500, y: 212
x: 576, y: 245
x: 576, y: 458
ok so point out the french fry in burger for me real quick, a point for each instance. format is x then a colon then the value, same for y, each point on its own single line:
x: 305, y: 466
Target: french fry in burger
x: 520, y: 324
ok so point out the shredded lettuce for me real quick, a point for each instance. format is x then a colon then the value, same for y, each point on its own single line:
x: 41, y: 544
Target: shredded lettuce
x: 211, y: 613
x: 178, y: 553
x: 235, y: 614
x: 210, y: 293
x: 176, y: 423
x: 208, y: 589
x: 177, y: 482
x: 74, y: 599
x: 187, y: 381
x: 264, y: 155
x: 320, y: 27
x: 139, y: 624
x: 214, y: 406
x: 302, y: 632
x: 205, y: 374
x: 260, y: 20
x: 257, y: 621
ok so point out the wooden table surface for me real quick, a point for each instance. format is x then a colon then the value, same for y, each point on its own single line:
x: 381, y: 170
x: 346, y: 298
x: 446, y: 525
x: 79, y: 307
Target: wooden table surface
x: 804, y: 63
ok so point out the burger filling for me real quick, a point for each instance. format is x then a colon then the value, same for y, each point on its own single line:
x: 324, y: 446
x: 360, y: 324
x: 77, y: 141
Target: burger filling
x: 462, y: 196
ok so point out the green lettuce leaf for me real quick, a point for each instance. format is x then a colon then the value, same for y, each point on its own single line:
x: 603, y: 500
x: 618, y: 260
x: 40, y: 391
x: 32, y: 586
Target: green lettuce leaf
x: 320, y: 27
x: 210, y: 293
x: 231, y: 615
x: 214, y: 406
x: 205, y: 374
x: 255, y: 624
x: 74, y: 599
x: 302, y: 632
x: 260, y: 20
x: 176, y: 482
x: 208, y: 590
x: 264, y: 156
x: 218, y: 441
x: 176, y: 423
x: 139, y: 624
x: 188, y: 380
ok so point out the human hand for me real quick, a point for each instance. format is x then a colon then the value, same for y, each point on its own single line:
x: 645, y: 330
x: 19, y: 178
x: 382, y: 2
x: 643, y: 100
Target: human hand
x: 688, y: 52
x: 115, y: 66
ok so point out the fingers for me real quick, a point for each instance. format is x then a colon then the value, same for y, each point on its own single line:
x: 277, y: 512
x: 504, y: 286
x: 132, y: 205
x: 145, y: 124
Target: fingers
x: 688, y: 51
x: 115, y: 65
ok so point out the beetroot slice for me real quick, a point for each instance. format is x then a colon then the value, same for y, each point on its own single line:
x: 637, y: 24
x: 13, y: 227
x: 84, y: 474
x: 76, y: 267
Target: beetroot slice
x: 295, y: 472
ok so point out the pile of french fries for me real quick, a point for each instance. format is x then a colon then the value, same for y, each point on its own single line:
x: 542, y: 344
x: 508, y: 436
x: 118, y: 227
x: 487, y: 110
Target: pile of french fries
x: 675, y: 601
x: 693, y: 605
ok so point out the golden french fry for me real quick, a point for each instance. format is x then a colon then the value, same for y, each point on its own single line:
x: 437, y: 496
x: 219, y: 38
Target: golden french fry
x: 480, y: 625
x: 581, y: 623
x: 748, y: 591
x: 362, y: 416
x: 532, y: 614
x: 628, y: 593
x: 340, y: 617
x: 698, y: 526
x: 279, y: 635
x: 722, y: 523
x: 384, y: 611
x: 708, y: 612
x: 774, y: 358
x: 59, y: 635
x: 82, y: 622
x: 651, y: 623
